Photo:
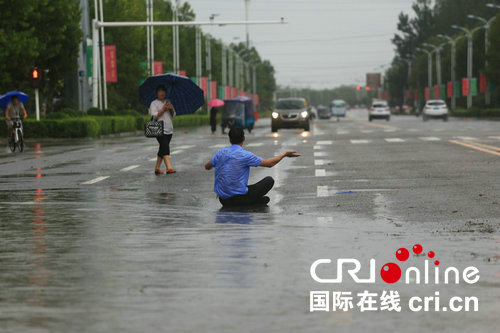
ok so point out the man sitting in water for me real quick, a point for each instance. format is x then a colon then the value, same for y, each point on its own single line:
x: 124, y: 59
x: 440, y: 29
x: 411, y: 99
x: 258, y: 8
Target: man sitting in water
x: 232, y: 168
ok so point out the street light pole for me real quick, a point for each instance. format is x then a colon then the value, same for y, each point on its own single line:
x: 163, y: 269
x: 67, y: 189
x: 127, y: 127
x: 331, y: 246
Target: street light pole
x: 247, y: 2
x: 487, y: 25
x: 437, y: 50
x: 224, y: 71
x: 429, y: 66
x: 453, y: 43
x: 470, y: 55
x: 198, y: 56
x: 208, y: 47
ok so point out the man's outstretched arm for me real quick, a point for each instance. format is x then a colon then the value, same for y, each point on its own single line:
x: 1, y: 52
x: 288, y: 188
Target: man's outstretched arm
x: 275, y: 160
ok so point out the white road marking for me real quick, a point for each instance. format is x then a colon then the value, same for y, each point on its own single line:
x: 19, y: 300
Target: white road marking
x: 317, y: 147
x: 81, y: 150
x: 175, y: 152
x: 466, y: 138
x: 429, y: 138
x: 132, y: 167
x: 494, y: 137
x: 221, y: 145
x: 186, y: 147
x: 95, y: 180
x: 389, y: 130
x: 342, y: 132
x: 367, y: 131
x: 319, y: 162
x: 320, y: 154
x: 392, y: 140
x: 360, y: 141
x: 322, y: 191
x: 328, y: 142
x: 256, y: 144
x: 320, y: 173
x: 152, y: 159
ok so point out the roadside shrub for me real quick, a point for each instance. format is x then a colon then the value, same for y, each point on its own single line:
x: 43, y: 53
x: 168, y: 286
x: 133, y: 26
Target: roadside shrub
x: 129, y: 112
x: 95, y: 112
x: 476, y: 112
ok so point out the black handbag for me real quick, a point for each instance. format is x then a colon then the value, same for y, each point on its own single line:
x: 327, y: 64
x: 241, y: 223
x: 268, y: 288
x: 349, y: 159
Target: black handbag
x: 153, y: 128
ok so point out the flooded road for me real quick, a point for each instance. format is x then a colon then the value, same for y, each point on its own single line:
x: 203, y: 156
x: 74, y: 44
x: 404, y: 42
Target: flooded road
x: 93, y: 241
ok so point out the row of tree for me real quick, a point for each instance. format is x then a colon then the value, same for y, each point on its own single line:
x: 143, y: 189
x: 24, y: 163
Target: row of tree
x: 47, y: 34
x: 430, y: 19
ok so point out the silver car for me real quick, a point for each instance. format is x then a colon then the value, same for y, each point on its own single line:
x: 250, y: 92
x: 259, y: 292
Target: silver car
x: 290, y: 113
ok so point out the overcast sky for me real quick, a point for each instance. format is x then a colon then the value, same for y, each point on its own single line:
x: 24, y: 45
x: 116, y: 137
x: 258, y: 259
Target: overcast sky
x: 326, y: 43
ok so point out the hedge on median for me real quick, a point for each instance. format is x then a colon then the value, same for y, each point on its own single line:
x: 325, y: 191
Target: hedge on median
x: 476, y: 113
x: 94, y: 126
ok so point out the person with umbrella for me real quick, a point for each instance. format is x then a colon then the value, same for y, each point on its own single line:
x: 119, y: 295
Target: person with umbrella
x: 214, y: 105
x: 160, y: 93
x: 13, y: 112
x: 162, y: 110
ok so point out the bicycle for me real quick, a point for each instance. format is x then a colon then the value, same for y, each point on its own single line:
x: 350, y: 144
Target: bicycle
x: 16, y: 137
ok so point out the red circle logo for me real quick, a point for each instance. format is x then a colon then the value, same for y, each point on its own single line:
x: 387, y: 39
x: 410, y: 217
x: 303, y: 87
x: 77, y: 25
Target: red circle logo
x: 390, y: 272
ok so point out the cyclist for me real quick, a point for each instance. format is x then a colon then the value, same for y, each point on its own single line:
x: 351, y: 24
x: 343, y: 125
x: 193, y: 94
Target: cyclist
x: 13, y: 112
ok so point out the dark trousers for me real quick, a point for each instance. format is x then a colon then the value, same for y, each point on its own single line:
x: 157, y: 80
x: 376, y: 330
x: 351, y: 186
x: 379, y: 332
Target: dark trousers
x: 164, y: 142
x: 254, y: 195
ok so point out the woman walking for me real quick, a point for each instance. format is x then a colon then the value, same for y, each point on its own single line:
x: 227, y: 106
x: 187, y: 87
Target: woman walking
x: 162, y: 110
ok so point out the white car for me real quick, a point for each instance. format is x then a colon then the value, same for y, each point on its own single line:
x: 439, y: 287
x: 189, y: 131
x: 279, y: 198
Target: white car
x: 435, y: 108
x: 379, y: 109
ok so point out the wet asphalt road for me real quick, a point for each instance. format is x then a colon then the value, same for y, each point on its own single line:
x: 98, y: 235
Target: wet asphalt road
x: 93, y: 241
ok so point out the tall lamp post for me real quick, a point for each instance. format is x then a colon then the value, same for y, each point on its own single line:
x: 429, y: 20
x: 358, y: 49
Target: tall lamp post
x: 470, y: 55
x: 487, y: 25
x: 429, y: 66
x: 453, y: 43
x: 437, y: 50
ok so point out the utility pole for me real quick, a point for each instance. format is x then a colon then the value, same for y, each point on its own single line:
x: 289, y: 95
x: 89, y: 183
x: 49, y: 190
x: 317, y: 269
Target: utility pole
x: 198, y: 56
x: 247, y: 3
x: 453, y: 43
x: 224, y: 70
x: 103, y: 67
x: 231, y: 70
x: 208, y: 46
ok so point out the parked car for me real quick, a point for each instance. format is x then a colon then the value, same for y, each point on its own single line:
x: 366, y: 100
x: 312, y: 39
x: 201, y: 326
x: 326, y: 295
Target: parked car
x: 435, y: 108
x: 290, y: 113
x: 324, y: 112
x: 379, y: 110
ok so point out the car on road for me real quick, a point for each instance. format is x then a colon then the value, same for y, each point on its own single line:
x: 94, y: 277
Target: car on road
x: 379, y: 110
x: 290, y: 113
x: 435, y: 108
x: 324, y: 112
x: 339, y: 108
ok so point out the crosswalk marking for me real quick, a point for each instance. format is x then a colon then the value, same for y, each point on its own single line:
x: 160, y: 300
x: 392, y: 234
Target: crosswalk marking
x: 466, y: 138
x: 132, y: 167
x: 175, y: 152
x: 320, y: 173
x: 256, y: 144
x: 95, y: 180
x: 317, y: 147
x: 389, y: 130
x: 319, y: 162
x: 218, y: 146
x: 342, y: 132
x: 360, y: 141
x: 429, y: 138
x: 367, y: 131
x: 393, y: 140
x: 152, y: 159
x: 186, y: 147
x: 494, y: 137
x: 322, y: 191
x: 327, y: 142
x: 320, y: 154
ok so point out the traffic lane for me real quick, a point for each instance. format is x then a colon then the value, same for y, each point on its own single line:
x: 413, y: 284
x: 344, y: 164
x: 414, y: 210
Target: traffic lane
x: 160, y: 249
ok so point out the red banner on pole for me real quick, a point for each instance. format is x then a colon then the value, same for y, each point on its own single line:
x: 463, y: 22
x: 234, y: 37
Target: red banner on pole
x: 483, y: 83
x: 110, y: 61
x: 257, y: 101
x: 386, y: 95
x: 437, y: 92
x: 203, y: 86
x: 465, y: 87
x: 213, y: 89
x: 415, y: 95
x: 407, y: 94
x: 427, y: 94
x: 234, y: 92
x: 182, y: 72
x: 449, y: 89
x: 228, y: 91
x: 158, y: 67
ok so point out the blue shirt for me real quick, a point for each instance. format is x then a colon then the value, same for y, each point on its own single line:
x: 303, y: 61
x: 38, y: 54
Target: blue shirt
x: 232, y: 169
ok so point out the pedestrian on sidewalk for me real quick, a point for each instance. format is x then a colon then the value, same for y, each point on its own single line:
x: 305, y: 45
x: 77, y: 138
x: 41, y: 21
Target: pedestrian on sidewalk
x: 162, y: 110
x: 232, y: 169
